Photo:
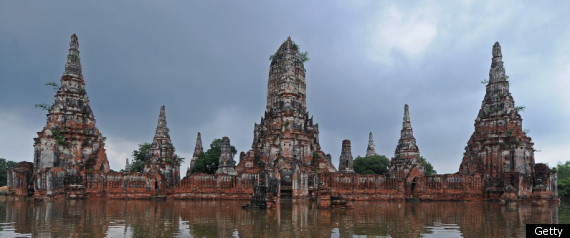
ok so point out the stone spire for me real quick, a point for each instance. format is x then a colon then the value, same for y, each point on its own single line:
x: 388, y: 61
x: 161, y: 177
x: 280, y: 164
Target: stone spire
x: 161, y: 129
x: 497, y: 71
x: 345, y: 165
x: 73, y: 65
x: 197, y: 150
x: 287, y: 133
x: 407, y: 147
x: 226, y: 163
x: 286, y: 89
x: 498, y: 144
x: 407, y: 152
x: 70, y: 138
x: 161, y: 147
x: 370, y: 151
x: 162, y: 158
x: 127, y: 165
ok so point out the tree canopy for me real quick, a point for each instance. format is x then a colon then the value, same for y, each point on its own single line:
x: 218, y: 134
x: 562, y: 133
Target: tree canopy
x: 563, y: 178
x: 376, y: 164
x: 142, y: 157
x: 427, y: 166
x: 208, y: 161
x: 5, y: 165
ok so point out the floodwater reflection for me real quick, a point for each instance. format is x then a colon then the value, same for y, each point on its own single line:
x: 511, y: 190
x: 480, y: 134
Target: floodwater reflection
x: 126, y: 218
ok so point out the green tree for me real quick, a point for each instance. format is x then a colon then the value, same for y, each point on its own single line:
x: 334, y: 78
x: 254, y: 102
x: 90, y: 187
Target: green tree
x: 5, y: 165
x: 563, y: 178
x: 208, y: 161
x: 427, y: 166
x: 376, y: 164
x: 140, y: 157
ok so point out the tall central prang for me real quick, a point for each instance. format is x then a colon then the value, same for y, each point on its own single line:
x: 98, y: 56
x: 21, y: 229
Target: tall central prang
x: 286, y: 138
x: 499, y: 145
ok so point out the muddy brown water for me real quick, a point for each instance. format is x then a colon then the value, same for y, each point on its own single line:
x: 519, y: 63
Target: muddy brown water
x: 135, y: 218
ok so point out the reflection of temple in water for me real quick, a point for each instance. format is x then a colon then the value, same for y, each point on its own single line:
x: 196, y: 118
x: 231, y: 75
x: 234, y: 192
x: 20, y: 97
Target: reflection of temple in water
x: 102, y: 218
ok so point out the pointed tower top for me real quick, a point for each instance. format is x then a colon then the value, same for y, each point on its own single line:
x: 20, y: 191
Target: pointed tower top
x: 407, y: 123
x: 497, y: 50
x: 370, y: 151
x: 162, y: 115
x: 161, y: 129
x: 73, y: 65
x: 198, y: 148
x: 406, y: 150
x: 288, y: 38
x: 497, y: 71
x: 74, y: 44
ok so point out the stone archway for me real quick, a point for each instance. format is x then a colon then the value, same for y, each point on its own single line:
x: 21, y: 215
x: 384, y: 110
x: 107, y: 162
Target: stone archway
x: 412, y: 187
x: 286, y: 183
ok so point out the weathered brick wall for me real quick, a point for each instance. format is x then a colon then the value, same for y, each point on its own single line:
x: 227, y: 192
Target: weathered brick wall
x: 19, y: 178
x: 49, y: 182
x: 362, y: 187
x: 449, y: 187
x: 130, y: 186
x: 215, y: 186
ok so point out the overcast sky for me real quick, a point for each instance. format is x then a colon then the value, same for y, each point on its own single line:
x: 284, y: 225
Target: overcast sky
x: 208, y: 64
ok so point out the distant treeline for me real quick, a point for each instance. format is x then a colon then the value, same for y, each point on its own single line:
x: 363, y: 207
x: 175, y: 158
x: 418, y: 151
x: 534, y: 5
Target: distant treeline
x: 563, y: 178
x: 4, y: 167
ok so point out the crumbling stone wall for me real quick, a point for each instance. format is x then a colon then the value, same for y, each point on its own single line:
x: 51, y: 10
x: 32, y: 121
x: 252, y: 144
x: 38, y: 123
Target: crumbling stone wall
x: 49, y: 182
x: 130, y: 186
x: 19, y: 179
x: 215, y: 186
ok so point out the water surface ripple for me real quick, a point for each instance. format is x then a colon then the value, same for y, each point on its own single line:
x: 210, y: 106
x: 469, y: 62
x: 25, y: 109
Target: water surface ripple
x: 132, y: 218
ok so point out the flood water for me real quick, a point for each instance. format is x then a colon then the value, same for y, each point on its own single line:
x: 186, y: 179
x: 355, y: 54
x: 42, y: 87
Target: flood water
x: 128, y: 218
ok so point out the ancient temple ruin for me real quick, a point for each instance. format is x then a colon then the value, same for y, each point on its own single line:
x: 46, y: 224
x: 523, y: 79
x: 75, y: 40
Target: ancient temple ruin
x: 197, y: 150
x: 345, y: 161
x: 226, y: 164
x: 163, y: 164
x: 407, y: 153
x: 70, y: 139
x: 286, y: 140
x: 70, y: 159
x: 370, y: 151
x: 499, y: 148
